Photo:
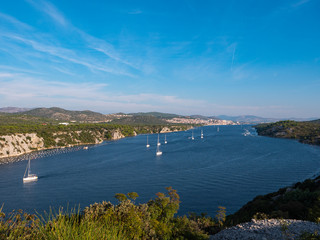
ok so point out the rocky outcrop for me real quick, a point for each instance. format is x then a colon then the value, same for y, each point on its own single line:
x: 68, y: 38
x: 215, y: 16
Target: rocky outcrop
x: 17, y: 144
x: 115, y: 135
x: 268, y: 229
x: 165, y: 130
x: 174, y: 129
x: 20, y: 143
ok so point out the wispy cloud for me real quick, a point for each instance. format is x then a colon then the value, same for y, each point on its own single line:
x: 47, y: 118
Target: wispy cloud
x: 300, y: 3
x: 6, y: 75
x: 92, y: 42
x: 15, y: 22
x: 18, y: 70
x: 105, y: 48
x: 89, y: 95
x: 31, y: 91
x: 68, y: 55
x: 49, y: 9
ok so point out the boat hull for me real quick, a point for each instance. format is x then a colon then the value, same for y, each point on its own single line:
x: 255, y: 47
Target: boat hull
x: 159, y: 153
x: 29, y: 179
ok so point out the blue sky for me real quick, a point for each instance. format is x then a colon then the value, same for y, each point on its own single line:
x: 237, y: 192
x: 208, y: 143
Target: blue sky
x: 187, y: 57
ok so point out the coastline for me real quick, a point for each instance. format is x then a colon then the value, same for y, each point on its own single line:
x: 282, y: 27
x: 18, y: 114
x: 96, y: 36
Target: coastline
x: 116, y: 135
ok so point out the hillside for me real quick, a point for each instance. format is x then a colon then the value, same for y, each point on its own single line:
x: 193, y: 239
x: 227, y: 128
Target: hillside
x: 156, y: 114
x: 300, y: 201
x: 315, y: 121
x: 248, y: 119
x: 305, y: 132
x: 140, y: 120
x: 60, y: 114
x: 20, y: 139
x: 20, y: 119
x: 202, y: 117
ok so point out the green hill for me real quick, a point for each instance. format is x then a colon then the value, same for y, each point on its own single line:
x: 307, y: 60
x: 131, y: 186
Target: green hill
x: 306, y: 132
x: 156, y: 114
x: 140, y: 120
x: 20, y: 119
x: 60, y: 114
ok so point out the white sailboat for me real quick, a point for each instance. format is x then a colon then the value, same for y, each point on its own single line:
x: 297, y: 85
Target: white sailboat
x: 201, y: 133
x: 28, y: 176
x: 158, y: 144
x: 158, y: 153
x: 148, y: 145
x: 192, y: 135
x: 165, y: 139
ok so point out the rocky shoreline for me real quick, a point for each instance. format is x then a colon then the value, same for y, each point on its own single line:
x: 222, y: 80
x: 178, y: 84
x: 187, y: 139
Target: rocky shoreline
x: 267, y: 229
x: 19, y: 147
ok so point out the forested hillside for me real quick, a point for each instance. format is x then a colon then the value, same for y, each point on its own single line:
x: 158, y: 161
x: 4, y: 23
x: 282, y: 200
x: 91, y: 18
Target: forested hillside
x: 306, y: 132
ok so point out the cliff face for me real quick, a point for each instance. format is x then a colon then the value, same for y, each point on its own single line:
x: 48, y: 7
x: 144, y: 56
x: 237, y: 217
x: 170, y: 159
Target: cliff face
x: 174, y: 129
x: 20, y: 143
x: 115, y: 135
x: 17, y: 144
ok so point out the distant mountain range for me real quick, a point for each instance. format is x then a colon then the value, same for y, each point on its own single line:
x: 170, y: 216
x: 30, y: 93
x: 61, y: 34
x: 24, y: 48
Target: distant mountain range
x: 250, y: 119
x: 157, y: 115
x: 13, y: 109
x: 59, y: 114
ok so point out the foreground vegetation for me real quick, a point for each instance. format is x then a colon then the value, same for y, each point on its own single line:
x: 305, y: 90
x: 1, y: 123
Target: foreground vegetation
x: 126, y: 220
x: 157, y: 218
x: 305, y: 132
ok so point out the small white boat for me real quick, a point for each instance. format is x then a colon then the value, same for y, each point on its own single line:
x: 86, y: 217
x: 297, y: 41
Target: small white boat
x: 158, y: 153
x: 165, y: 139
x: 85, y: 148
x: 201, y: 133
x: 148, y: 145
x: 192, y: 135
x: 246, y: 133
x: 28, y: 176
x: 158, y: 144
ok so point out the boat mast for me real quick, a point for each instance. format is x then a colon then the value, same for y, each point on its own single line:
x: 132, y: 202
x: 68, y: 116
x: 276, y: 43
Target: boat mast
x: 29, y: 168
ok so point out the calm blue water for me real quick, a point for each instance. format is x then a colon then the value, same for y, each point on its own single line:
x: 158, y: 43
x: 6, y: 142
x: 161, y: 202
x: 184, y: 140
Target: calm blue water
x: 225, y: 168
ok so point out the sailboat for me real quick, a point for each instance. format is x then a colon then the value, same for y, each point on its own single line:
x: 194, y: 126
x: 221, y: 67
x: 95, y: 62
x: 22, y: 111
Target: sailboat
x: 148, y: 145
x: 165, y: 139
x: 28, y: 176
x: 158, y: 153
x: 158, y: 144
x: 201, y: 133
x: 218, y: 129
x: 192, y: 135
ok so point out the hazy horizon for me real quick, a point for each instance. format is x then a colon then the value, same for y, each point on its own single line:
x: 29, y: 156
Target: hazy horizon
x: 210, y: 58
